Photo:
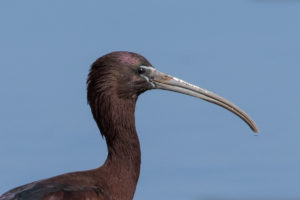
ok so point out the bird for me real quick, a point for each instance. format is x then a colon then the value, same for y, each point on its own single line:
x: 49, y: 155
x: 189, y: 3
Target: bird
x: 114, y: 84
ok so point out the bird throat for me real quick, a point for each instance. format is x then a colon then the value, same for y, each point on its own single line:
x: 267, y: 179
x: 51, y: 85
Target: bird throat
x: 116, y: 120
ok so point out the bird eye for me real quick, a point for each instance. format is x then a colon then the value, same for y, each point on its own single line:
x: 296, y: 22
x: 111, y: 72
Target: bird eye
x: 141, y: 70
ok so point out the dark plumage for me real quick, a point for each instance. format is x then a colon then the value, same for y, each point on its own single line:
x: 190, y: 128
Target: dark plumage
x: 115, y: 81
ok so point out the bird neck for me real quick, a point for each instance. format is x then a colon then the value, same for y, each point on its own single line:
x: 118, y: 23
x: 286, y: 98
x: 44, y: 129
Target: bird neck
x: 117, y: 124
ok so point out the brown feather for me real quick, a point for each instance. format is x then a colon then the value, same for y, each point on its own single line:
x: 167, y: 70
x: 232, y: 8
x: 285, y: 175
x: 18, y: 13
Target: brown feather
x: 112, y: 95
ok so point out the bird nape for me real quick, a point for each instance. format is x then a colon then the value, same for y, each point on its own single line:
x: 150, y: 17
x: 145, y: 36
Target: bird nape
x: 114, y: 83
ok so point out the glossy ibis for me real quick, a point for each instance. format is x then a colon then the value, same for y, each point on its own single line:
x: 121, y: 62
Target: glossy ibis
x: 114, y: 83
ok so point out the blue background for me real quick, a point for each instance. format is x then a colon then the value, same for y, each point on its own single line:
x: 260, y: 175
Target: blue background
x: 247, y: 51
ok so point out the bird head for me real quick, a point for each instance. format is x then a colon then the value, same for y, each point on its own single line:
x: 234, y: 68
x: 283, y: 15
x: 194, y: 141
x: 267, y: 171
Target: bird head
x: 126, y: 75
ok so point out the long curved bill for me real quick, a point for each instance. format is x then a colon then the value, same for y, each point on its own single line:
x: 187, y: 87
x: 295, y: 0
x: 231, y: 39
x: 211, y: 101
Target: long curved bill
x: 163, y: 81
